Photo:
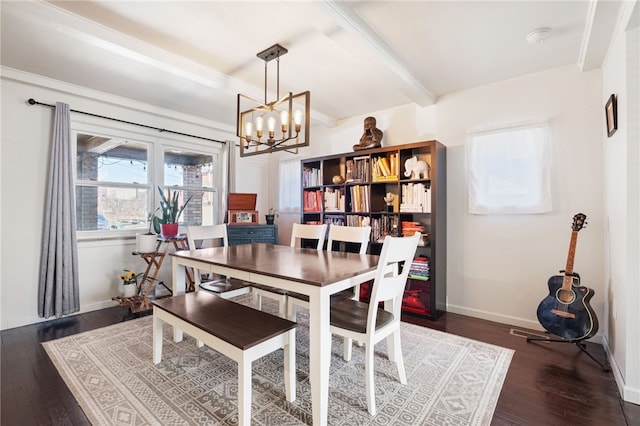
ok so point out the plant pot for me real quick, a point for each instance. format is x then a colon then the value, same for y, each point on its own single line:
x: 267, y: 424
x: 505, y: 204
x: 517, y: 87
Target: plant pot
x: 169, y: 229
x: 130, y: 290
x: 146, y: 243
x: 270, y: 218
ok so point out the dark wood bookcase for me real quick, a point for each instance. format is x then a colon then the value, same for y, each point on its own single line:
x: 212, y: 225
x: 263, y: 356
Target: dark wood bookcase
x: 350, y: 189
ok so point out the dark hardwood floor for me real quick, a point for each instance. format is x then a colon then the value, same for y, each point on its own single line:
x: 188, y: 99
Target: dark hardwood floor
x: 547, y: 384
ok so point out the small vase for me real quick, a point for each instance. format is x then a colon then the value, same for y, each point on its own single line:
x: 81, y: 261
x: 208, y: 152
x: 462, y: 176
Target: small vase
x: 169, y: 229
x: 130, y: 290
x: 270, y: 218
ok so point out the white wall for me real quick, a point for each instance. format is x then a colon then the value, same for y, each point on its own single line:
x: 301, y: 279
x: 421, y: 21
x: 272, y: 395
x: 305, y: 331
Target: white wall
x: 26, y: 135
x: 621, y: 75
x: 498, y: 266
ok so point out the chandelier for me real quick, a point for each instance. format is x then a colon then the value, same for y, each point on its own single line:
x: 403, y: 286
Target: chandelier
x: 286, y: 118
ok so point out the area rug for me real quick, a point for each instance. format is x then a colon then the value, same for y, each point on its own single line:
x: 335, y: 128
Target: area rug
x: 451, y: 380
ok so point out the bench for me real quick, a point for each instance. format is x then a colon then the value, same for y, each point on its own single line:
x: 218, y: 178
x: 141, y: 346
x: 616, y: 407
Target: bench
x: 239, y: 332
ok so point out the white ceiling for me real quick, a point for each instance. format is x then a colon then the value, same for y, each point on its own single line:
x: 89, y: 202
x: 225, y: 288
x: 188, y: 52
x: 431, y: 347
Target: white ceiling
x: 354, y: 57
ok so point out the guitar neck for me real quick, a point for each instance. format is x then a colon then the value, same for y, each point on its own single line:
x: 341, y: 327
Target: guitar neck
x: 568, y: 269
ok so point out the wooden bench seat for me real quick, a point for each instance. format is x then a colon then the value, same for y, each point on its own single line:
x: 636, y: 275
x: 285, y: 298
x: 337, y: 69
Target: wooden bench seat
x: 241, y: 333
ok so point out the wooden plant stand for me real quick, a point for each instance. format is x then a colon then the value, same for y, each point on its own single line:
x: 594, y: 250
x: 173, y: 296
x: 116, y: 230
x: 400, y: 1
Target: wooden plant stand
x: 154, y: 260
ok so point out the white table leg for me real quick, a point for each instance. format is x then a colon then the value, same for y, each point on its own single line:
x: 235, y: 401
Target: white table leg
x: 178, y: 287
x: 319, y: 356
x: 157, y: 339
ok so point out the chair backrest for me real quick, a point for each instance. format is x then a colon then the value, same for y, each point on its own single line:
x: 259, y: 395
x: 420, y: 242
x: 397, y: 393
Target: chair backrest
x: 389, y: 283
x: 311, y: 232
x: 349, y: 234
x: 207, y: 234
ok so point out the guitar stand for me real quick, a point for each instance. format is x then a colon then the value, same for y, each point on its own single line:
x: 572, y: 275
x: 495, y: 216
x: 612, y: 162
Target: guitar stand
x: 578, y: 342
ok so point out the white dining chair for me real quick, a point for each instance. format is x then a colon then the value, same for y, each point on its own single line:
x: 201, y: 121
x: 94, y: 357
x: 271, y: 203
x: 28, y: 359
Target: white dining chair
x: 367, y: 322
x: 214, y: 236
x: 338, y: 237
x: 298, y: 232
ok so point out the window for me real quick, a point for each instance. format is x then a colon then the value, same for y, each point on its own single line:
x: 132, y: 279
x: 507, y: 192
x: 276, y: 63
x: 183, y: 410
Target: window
x: 192, y: 173
x: 112, y: 186
x: 117, y: 179
x: 509, y: 170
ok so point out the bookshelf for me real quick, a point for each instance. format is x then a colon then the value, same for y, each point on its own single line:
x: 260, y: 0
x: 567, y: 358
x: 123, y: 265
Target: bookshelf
x: 415, y: 202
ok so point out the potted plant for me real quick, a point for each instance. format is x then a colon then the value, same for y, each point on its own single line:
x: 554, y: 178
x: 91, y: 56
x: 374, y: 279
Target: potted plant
x: 129, y: 283
x: 146, y: 243
x: 270, y: 217
x: 167, y: 224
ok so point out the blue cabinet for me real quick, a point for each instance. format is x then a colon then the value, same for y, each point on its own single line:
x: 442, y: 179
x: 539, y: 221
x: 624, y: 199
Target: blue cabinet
x: 247, y: 234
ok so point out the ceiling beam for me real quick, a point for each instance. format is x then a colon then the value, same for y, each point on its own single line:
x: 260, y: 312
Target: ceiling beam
x: 352, y: 22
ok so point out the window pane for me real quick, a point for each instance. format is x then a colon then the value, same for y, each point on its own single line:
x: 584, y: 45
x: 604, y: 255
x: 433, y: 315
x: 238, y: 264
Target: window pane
x: 105, y: 159
x: 193, y: 174
x: 104, y: 208
x: 189, y: 169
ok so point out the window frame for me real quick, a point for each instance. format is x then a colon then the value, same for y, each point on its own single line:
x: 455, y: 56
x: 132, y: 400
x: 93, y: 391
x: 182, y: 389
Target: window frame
x: 156, y: 145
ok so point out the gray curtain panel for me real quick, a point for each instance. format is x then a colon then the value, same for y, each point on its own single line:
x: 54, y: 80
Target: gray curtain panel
x: 58, y: 291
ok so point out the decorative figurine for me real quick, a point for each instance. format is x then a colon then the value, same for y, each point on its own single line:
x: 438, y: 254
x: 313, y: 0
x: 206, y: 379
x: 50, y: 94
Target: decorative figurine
x: 389, y: 200
x: 416, y: 169
x: 372, y: 136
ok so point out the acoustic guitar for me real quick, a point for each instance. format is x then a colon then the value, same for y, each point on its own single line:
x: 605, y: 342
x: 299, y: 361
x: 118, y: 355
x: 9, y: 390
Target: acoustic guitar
x: 566, y: 312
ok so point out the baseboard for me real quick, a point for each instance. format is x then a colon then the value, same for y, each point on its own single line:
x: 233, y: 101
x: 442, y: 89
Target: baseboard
x: 504, y: 319
x: 628, y: 394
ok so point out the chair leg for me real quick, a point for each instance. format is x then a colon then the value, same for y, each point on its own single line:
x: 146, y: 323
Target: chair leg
x: 347, y: 349
x: 394, y: 349
x: 282, y: 307
x: 371, y: 389
x: 257, y: 300
x: 291, y: 311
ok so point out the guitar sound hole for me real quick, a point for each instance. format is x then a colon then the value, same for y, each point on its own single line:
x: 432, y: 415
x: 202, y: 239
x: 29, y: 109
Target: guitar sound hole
x: 565, y: 296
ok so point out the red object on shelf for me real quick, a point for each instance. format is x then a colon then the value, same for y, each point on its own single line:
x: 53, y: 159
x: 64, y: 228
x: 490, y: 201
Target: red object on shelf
x: 417, y: 295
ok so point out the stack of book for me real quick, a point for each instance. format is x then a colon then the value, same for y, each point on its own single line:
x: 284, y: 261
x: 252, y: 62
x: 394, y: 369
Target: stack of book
x: 385, y: 169
x: 310, y: 177
x: 419, y: 269
x: 312, y: 201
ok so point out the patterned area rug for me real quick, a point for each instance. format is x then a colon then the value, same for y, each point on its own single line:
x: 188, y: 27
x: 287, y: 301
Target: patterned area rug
x: 451, y: 380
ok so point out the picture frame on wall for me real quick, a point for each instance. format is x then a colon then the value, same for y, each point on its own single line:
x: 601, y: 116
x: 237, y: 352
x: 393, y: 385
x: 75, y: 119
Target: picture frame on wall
x: 611, y: 113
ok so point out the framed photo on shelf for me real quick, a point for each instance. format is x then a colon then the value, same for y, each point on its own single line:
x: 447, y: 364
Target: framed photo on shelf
x: 611, y: 113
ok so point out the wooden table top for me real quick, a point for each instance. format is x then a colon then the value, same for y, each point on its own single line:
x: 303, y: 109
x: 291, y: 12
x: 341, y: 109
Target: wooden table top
x: 310, y: 266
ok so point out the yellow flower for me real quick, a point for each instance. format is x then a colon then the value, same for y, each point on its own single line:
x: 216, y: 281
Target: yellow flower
x: 132, y: 275
x: 123, y: 277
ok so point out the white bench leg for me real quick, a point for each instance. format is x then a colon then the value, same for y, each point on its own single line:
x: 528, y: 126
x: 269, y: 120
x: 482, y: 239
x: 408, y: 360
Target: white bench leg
x: 290, y: 366
x: 244, y: 393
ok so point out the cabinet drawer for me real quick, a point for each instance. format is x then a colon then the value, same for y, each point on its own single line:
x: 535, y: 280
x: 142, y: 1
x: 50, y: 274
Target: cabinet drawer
x: 246, y: 234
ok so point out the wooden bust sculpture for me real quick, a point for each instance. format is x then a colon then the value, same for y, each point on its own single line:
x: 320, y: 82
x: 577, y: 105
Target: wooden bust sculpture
x: 372, y: 136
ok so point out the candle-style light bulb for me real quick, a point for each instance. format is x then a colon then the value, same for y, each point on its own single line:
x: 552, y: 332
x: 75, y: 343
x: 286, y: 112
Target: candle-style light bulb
x: 297, y: 119
x: 271, y: 124
x: 248, y: 130
x: 259, y: 123
x: 284, y: 121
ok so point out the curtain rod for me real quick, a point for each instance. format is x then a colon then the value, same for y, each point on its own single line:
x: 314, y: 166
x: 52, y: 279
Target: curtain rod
x: 34, y: 102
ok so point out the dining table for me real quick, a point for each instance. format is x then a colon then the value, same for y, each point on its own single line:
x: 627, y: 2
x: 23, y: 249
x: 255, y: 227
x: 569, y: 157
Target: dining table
x: 315, y: 273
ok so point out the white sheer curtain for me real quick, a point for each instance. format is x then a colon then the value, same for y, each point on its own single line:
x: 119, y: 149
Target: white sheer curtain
x: 509, y: 170
x: 290, y: 177
x: 58, y: 289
